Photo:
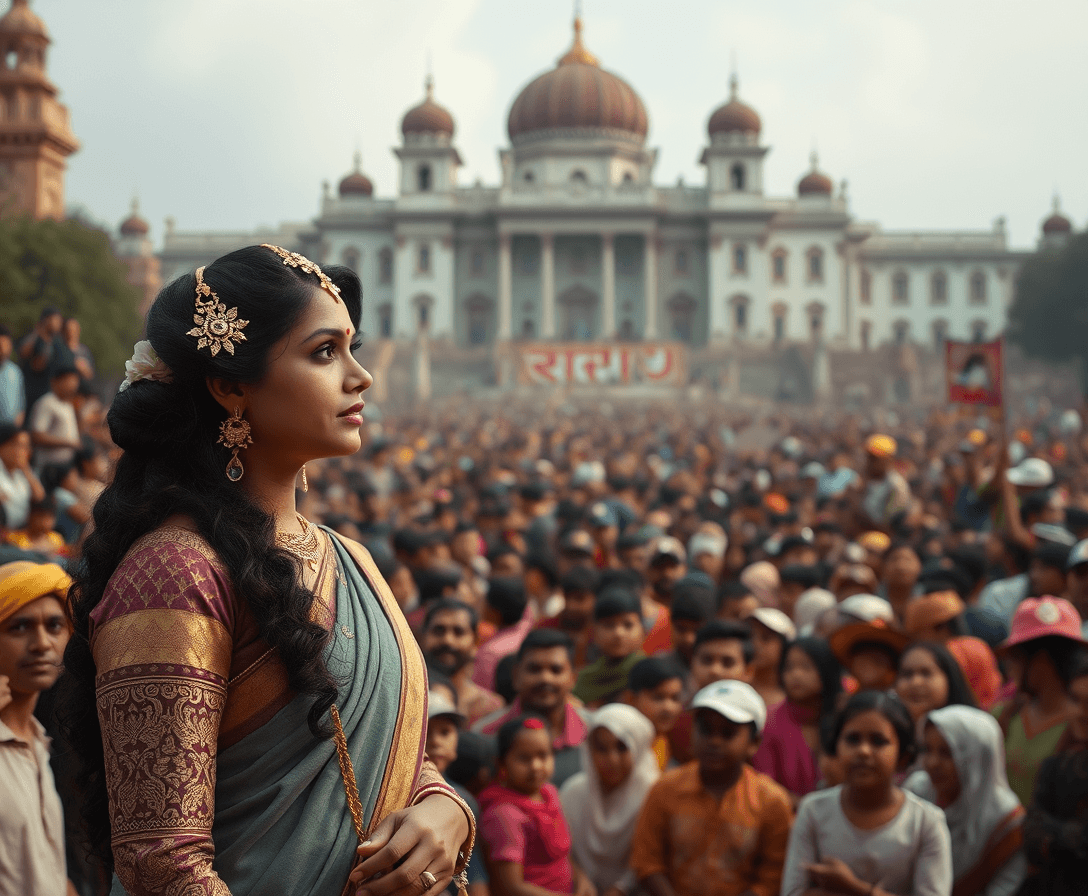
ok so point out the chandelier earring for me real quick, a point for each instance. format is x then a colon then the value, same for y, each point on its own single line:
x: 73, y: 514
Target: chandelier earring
x: 234, y: 434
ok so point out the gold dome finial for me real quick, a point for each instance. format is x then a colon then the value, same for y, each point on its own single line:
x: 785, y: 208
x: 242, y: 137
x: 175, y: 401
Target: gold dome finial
x: 578, y: 51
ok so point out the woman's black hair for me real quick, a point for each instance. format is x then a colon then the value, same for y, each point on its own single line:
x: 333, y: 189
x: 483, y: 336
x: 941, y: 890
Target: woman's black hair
x: 1064, y: 653
x: 827, y: 665
x: 888, y: 705
x: 171, y: 465
x: 959, y: 691
x: 508, y: 733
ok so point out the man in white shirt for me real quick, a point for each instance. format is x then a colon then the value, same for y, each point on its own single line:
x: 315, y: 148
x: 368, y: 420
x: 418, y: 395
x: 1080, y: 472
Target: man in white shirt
x: 54, y: 426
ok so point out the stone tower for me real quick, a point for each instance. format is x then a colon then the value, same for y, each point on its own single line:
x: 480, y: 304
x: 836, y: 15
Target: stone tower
x: 35, y: 135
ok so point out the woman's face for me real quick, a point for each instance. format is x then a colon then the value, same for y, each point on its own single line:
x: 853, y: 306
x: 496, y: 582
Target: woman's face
x: 868, y: 749
x: 309, y: 403
x: 800, y: 677
x: 611, y: 758
x: 530, y: 762
x: 921, y: 685
x: 15, y: 452
x: 940, y: 766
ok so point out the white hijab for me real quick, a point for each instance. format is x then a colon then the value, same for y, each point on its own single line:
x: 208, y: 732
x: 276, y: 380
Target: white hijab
x: 601, y: 825
x: 978, y: 750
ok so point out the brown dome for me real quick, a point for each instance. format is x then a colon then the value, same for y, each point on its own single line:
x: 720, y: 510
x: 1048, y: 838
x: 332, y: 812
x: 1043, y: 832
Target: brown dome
x: 1057, y: 222
x: 578, y: 95
x: 357, y: 183
x: 734, y: 117
x: 815, y: 183
x: 428, y: 117
x: 134, y: 225
x: 20, y: 20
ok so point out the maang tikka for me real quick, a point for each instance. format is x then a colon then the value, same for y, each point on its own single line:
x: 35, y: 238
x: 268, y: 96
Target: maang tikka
x: 234, y: 433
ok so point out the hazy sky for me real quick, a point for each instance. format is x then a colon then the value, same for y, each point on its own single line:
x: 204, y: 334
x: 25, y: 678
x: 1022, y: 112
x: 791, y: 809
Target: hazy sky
x: 227, y: 114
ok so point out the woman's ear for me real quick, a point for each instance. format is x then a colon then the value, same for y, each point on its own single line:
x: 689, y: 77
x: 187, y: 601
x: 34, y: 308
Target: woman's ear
x: 227, y: 393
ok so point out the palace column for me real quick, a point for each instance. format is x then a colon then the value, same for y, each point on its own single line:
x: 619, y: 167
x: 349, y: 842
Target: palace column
x: 502, y: 331
x: 608, y: 286
x: 547, y: 286
x: 649, y: 286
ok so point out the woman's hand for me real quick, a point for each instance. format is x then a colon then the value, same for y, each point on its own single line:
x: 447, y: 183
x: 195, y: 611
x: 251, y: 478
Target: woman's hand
x: 425, y: 837
x: 835, y: 876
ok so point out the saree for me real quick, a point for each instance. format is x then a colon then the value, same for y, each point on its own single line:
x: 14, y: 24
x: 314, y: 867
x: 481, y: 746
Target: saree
x: 215, y: 783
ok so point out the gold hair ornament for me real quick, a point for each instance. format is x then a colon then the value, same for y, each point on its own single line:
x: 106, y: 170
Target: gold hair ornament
x: 216, y: 326
x: 294, y: 260
x: 234, y: 433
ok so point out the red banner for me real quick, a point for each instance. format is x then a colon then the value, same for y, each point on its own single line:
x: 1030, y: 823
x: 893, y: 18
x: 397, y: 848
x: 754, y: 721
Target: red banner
x: 975, y: 373
x: 596, y: 364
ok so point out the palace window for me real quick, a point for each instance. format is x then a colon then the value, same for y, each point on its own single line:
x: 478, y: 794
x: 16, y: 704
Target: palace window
x: 978, y: 288
x: 740, y: 314
x: 737, y: 177
x: 866, y: 335
x: 740, y: 259
x: 385, y: 266
x: 978, y: 331
x: 385, y: 321
x: 778, y: 313
x: 940, y: 334
x: 423, y: 178
x: 938, y: 289
x: 423, y: 258
x: 815, y: 259
x: 778, y: 265
x: 900, y: 288
x: 866, y: 287
x: 901, y: 332
x: 350, y: 257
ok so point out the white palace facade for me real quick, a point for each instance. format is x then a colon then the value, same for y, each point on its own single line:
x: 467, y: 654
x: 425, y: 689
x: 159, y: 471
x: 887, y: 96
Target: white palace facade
x: 577, y: 243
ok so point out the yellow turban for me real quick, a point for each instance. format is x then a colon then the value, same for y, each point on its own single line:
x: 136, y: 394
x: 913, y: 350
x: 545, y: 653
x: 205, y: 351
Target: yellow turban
x: 23, y: 582
x: 881, y: 446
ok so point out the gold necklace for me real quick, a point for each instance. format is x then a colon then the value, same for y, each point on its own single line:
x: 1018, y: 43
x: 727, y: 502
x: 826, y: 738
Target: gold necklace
x: 307, y: 546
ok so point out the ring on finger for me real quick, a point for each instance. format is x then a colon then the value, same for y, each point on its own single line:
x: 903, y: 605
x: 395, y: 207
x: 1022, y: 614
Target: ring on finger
x: 428, y: 879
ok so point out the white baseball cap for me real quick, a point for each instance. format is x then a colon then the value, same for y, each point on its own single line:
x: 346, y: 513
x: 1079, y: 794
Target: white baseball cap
x: 776, y: 621
x: 735, y: 700
x: 1031, y: 472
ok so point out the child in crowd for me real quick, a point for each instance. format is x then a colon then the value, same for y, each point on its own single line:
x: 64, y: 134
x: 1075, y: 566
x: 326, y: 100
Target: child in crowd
x: 715, y: 825
x: 526, y: 839
x: 929, y: 678
x: 870, y: 652
x: 579, y: 586
x: 772, y: 632
x: 812, y: 681
x: 474, y: 767
x: 723, y: 650
x: 618, y: 635
x: 964, y: 774
x: 655, y: 688
x: 602, y: 802
x: 867, y: 835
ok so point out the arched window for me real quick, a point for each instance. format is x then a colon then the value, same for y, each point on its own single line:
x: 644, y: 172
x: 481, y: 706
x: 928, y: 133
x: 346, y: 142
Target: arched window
x: 940, y: 334
x: 423, y: 258
x: 815, y: 264
x: 938, y: 289
x: 779, y: 259
x: 900, y: 288
x: 683, y: 262
x: 866, y: 287
x: 901, y: 332
x: 423, y: 305
x: 385, y: 266
x: 978, y: 331
x: 682, y: 316
x: 740, y: 259
x: 351, y: 258
x: 740, y: 314
x: 737, y: 177
x: 778, y: 317
x: 423, y: 178
x: 628, y: 178
x: 528, y: 177
x: 978, y: 288
x: 385, y: 321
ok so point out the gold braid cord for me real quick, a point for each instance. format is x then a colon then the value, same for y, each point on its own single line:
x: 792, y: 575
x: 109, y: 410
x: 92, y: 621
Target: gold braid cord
x: 294, y: 260
x: 347, y: 772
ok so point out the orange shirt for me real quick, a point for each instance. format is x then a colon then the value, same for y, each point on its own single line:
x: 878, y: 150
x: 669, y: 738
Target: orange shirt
x: 706, y: 845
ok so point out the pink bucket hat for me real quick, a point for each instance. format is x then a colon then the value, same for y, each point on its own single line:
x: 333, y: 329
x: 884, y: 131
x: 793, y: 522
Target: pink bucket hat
x: 1037, y: 617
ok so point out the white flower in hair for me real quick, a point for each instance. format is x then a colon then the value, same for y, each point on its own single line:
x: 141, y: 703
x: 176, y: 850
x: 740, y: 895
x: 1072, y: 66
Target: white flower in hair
x: 145, y: 364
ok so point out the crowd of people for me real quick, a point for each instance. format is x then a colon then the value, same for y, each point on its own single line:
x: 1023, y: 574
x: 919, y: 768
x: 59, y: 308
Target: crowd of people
x: 671, y: 649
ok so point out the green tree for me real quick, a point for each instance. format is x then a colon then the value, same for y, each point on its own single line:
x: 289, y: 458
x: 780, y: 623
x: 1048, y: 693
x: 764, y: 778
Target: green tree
x: 1048, y: 318
x: 70, y: 265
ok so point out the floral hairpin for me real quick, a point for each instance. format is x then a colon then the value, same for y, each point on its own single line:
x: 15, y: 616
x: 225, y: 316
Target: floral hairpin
x: 295, y: 260
x: 145, y: 364
x: 216, y: 326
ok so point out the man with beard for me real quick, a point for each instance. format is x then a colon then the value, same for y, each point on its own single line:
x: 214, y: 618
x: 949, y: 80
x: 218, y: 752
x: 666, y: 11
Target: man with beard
x: 448, y: 642
x: 543, y: 679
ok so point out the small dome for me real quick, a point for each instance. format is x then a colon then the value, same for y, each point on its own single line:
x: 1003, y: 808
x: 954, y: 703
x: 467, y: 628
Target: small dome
x: 20, y: 20
x: 578, y: 95
x: 134, y: 225
x: 734, y: 117
x: 815, y: 183
x: 428, y: 117
x: 357, y: 183
x: 1057, y: 222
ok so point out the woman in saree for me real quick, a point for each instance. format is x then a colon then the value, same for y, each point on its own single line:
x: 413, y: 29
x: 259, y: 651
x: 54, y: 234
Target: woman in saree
x: 244, y: 693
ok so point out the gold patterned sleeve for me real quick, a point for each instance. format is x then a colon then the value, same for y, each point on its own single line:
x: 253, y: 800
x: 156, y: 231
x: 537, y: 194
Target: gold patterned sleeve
x: 163, y: 661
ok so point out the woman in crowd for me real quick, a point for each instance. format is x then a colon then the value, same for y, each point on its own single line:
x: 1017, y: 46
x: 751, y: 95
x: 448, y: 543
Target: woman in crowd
x: 19, y: 486
x: 868, y: 835
x: 929, y: 678
x: 601, y: 803
x: 964, y: 773
x: 226, y: 651
x: 1044, y: 642
x: 812, y: 680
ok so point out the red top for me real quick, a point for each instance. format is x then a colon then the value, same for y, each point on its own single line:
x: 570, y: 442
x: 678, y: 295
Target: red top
x: 528, y: 832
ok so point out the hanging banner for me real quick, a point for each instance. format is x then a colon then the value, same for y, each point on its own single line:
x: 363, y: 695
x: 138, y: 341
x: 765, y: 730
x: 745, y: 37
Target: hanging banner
x: 974, y: 372
x: 598, y: 364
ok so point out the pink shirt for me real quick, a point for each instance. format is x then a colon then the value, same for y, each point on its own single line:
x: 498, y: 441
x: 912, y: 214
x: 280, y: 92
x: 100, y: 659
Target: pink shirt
x: 527, y: 832
x: 503, y: 643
